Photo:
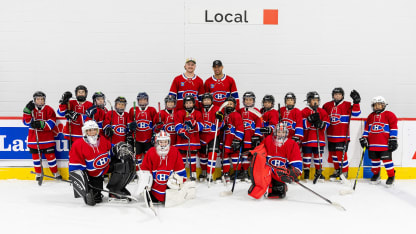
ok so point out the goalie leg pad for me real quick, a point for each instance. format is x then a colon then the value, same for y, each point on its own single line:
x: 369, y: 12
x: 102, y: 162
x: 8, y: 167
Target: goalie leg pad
x: 80, y: 185
x: 122, y: 174
x: 260, y: 174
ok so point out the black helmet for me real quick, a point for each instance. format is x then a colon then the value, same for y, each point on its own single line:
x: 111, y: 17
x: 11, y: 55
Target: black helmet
x: 97, y: 95
x: 207, y: 96
x: 231, y: 98
x: 143, y: 95
x: 249, y: 94
x: 120, y: 99
x: 170, y: 98
x: 189, y: 98
x: 81, y: 98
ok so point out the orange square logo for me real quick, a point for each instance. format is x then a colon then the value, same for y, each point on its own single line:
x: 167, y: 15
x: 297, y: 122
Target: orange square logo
x: 270, y: 16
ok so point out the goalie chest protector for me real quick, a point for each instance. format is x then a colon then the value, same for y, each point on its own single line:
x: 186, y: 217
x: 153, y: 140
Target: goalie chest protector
x: 260, y: 173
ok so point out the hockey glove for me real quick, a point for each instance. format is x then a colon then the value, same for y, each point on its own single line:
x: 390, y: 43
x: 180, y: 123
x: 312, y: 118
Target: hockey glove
x: 91, y: 111
x: 287, y: 175
x: 108, y: 131
x: 30, y: 106
x: 122, y: 150
x: 255, y: 141
x: 236, y: 144
x: 65, y: 97
x: 132, y: 126
x: 71, y: 115
x: 296, y: 139
x: 319, y: 124
x: 355, y: 96
x: 266, y: 130
x: 183, y: 133
x: 175, y: 181
x: 38, y: 124
x: 392, y: 144
x: 364, y: 142
x: 313, y: 118
x: 219, y: 115
x: 159, y: 126
x: 190, y: 124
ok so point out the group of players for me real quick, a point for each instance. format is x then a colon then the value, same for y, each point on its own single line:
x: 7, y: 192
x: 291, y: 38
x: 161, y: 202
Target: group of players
x: 203, y: 120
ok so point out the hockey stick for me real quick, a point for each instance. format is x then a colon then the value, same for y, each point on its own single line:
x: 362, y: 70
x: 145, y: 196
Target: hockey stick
x: 212, y: 154
x: 69, y: 126
x: 318, y: 173
x: 227, y: 193
x: 337, y: 205
x: 280, y: 114
x: 111, y: 121
x: 342, y: 176
x: 349, y: 191
x: 40, y: 181
x: 134, y: 132
x: 158, y: 108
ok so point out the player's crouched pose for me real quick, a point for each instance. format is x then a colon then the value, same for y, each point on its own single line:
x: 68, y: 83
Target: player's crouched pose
x: 91, y: 157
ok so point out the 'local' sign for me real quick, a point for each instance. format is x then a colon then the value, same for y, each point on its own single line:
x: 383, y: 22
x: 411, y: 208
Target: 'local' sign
x: 233, y: 16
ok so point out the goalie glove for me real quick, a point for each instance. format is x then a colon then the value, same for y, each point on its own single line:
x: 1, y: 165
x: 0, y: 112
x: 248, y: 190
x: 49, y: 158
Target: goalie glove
x: 287, y: 175
x: 175, y: 181
x: 122, y: 150
x: 145, y: 181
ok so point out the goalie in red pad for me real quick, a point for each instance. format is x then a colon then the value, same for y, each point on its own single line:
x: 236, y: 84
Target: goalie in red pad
x: 275, y: 162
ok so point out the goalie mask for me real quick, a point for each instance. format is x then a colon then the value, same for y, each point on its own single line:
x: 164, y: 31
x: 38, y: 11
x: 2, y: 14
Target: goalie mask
x: 280, y: 134
x: 90, y: 132
x: 162, y: 143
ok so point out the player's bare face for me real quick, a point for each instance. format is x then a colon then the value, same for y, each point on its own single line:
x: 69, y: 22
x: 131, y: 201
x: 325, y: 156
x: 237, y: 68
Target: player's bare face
x: 230, y: 104
x: 337, y: 97
x: 267, y: 104
x: 92, y: 132
x: 189, y: 104
x: 143, y: 102
x: 314, y: 102
x: 217, y: 70
x: 40, y: 101
x: 290, y: 101
x: 206, y: 102
x: 81, y: 93
x: 163, y: 143
x: 190, y: 67
x: 248, y: 102
x: 120, y: 105
x: 378, y: 106
x: 170, y: 105
x: 99, y: 101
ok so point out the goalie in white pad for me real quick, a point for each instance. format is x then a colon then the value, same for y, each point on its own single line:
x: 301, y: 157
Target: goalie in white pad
x: 159, y: 163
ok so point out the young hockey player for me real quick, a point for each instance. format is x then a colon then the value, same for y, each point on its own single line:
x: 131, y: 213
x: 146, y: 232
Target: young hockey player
x: 166, y: 121
x: 292, y: 117
x: 270, y: 115
x: 275, y: 162
x: 315, y: 122
x: 221, y: 85
x: 338, y: 133
x: 91, y: 157
x: 188, y: 124
x: 74, y: 112
x: 41, y: 119
x: 115, y: 122
x: 187, y: 84
x: 208, y: 152
x: 252, y: 121
x: 162, y: 167
x: 142, y: 125
x: 98, y: 110
x: 380, y: 138
x: 234, y: 134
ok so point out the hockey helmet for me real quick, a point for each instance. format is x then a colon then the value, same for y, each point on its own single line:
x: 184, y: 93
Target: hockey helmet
x: 378, y: 99
x: 340, y: 91
x: 79, y: 97
x: 88, y: 125
x: 187, y: 99
x: 207, y: 96
x: 98, y: 95
x: 162, y: 143
x: 120, y: 99
x: 170, y: 98
x: 249, y: 94
x: 280, y: 133
x: 312, y: 95
x: 292, y: 96
x: 141, y: 96
x: 41, y: 95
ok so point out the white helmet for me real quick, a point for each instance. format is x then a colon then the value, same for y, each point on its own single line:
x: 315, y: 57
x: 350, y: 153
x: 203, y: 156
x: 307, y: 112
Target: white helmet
x: 162, y: 143
x: 378, y: 99
x: 90, y: 124
x: 280, y: 133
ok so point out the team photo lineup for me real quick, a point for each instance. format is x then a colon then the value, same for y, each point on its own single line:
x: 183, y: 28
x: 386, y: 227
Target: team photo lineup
x: 197, y: 125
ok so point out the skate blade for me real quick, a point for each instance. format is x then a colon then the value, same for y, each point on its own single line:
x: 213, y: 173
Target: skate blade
x: 333, y: 179
x: 118, y: 200
x: 375, y: 182
x: 389, y: 185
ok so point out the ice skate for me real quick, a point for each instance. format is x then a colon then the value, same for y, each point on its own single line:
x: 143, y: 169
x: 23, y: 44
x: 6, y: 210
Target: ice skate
x: 375, y: 179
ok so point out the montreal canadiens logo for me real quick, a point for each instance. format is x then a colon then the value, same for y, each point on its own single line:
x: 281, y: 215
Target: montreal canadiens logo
x: 101, y: 161
x: 143, y: 125
x: 162, y: 177
x: 335, y: 119
x: 170, y: 128
x: 275, y: 162
x: 220, y: 96
x: 377, y: 127
x: 189, y: 92
x: 120, y: 130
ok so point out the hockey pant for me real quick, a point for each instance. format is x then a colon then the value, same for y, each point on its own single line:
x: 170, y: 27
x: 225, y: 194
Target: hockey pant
x: 308, y: 153
x: 192, y: 158
x: 261, y: 173
x: 141, y: 149
x: 335, y: 150
x: 208, y: 157
x: 377, y: 157
x: 50, y: 157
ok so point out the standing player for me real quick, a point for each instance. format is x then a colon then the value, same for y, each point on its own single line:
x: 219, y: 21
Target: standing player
x: 234, y: 134
x: 270, y: 115
x: 188, y: 124
x: 74, y: 112
x: 339, y: 114
x: 282, y: 155
x: 208, y: 152
x: 142, y: 124
x: 41, y: 119
x: 380, y: 138
x: 187, y: 84
x: 315, y: 121
x: 292, y: 117
x: 98, y: 110
x: 221, y: 85
x: 252, y: 123
x: 167, y: 122
x: 115, y: 122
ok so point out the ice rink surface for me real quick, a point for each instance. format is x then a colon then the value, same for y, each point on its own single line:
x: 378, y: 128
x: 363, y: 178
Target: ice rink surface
x: 51, y: 208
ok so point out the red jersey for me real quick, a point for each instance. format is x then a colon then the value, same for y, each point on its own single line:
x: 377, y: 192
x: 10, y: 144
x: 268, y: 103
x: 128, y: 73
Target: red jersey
x: 234, y: 129
x: 183, y: 86
x: 293, y: 119
x: 144, y: 119
x: 252, y: 124
x: 168, y: 124
x: 309, y: 131
x: 208, y: 121
x: 76, y: 125
x: 45, y: 135
x: 161, y: 168
x: 270, y: 117
x: 94, y: 159
x: 339, y: 116
x: 285, y: 155
x: 118, y: 122
x: 180, y: 117
x: 379, y: 128
x: 221, y: 89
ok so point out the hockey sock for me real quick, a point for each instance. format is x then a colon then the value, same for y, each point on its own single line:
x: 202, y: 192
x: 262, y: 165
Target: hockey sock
x: 211, y: 162
x: 334, y: 159
x: 317, y: 160
x: 203, y: 160
x: 307, y: 159
x: 388, y: 164
x: 193, y: 162
x: 36, y: 163
x: 245, y: 162
x: 226, y: 163
x: 375, y: 166
x: 52, y: 162
x: 234, y: 158
x: 344, y: 166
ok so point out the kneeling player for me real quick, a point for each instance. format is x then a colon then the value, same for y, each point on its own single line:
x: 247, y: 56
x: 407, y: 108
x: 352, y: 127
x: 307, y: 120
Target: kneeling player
x: 91, y: 158
x: 275, y: 162
x: 162, y: 166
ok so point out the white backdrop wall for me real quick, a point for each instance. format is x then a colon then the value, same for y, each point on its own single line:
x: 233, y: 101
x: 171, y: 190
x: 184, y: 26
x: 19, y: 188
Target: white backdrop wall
x: 121, y: 47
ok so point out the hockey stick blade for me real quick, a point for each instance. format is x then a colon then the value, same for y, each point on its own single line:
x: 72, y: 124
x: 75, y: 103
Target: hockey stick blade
x: 338, y: 206
x: 226, y: 193
x: 346, y: 191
